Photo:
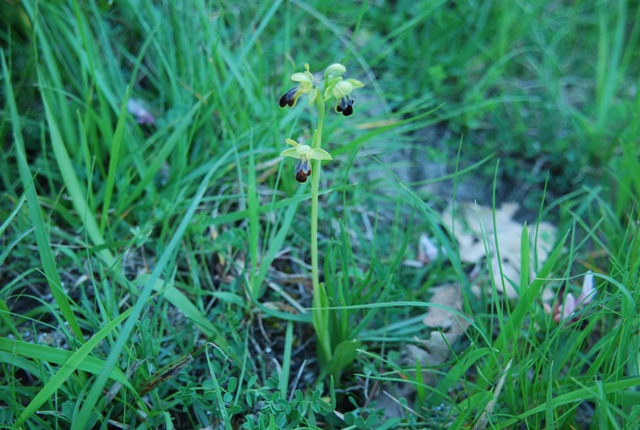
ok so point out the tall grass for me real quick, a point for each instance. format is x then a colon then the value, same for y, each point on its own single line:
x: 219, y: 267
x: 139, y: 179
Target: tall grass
x: 158, y: 275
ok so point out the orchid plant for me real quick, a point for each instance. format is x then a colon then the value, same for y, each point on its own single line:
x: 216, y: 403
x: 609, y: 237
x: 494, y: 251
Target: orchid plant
x: 335, y: 87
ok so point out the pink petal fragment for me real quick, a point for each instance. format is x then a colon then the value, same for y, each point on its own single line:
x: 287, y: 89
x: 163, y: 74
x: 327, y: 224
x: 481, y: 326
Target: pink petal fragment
x: 588, y: 292
x: 142, y: 115
x: 427, y: 250
x: 569, y: 306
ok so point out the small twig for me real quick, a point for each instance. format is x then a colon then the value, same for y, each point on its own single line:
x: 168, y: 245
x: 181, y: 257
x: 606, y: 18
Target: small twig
x: 403, y: 406
x: 275, y: 287
x: 484, y: 417
x: 294, y: 385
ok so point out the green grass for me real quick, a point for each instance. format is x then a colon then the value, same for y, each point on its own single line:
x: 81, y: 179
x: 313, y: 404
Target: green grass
x: 158, y: 276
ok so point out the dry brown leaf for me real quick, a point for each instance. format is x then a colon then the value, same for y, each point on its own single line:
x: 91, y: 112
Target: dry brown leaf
x: 474, y: 230
x: 450, y: 326
x: 448, y: 295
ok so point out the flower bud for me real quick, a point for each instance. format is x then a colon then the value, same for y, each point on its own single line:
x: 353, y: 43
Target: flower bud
x: 336, y: 69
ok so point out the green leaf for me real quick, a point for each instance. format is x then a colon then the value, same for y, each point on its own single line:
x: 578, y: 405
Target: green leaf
x: 343, y: 356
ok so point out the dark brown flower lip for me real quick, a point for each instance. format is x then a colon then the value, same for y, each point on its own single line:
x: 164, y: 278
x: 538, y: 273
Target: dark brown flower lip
x: 345, y: 106
x: 302, y: 170
x: 289, y: 98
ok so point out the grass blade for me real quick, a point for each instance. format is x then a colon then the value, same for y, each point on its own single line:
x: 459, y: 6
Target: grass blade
x: 70, y: 179
x: 56, y: 356
x: 42, y: 239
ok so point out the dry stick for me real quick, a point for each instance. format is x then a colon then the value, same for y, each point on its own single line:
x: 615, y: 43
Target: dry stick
x: 484, y: 418
x: 294, y: 386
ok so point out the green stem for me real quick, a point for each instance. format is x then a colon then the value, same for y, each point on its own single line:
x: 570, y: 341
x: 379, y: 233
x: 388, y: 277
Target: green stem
x: 320, y: 315
x: 315, y: 182
x: 315, y: 187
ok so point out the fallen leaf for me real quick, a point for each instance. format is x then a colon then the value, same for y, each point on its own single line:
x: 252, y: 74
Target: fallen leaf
x: 476, y: 233
x: 448, y: 295
x: 449, y: 325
